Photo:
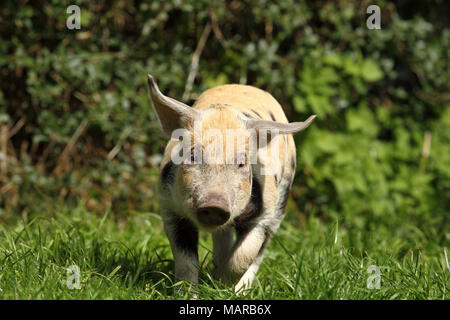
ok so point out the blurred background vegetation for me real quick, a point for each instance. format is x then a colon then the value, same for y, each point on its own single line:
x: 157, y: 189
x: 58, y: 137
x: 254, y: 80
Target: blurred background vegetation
x: 77, y: 127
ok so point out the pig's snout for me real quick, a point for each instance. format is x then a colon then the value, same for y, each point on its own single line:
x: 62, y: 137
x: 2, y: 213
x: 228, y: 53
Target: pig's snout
x: 213, y: 211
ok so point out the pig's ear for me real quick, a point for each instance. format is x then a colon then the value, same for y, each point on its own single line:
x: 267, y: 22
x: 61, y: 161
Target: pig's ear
x: 285, y: 128
x: 172, y: 114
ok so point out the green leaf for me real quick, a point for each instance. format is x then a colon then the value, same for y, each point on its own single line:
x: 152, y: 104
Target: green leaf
x: 300, y: 104
x: 370, y: 71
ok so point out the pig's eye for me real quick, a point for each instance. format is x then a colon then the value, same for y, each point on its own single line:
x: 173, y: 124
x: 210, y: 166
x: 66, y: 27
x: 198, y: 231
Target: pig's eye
x: 200, y: 154
x: 242, y: 163
x: 192, y: 155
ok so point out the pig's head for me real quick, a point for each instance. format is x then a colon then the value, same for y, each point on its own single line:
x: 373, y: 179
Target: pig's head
x: 214, y: 155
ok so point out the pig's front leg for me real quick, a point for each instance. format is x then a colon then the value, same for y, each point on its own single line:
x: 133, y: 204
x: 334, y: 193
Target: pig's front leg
x: 222, y: 246
x: 243, y: 261
x: 183, y: 238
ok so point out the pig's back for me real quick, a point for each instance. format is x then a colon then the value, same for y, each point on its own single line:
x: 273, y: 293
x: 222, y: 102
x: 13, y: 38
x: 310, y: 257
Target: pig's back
x: 249, y: 100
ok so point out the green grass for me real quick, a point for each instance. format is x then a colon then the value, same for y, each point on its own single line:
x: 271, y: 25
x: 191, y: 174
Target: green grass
x: 130, y: 258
